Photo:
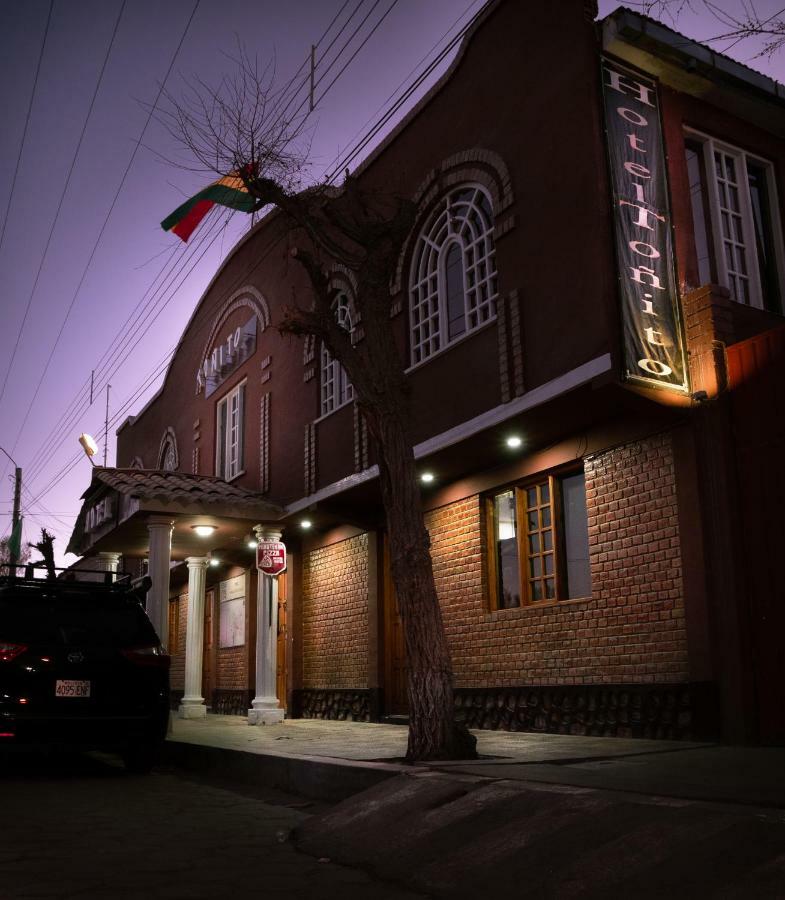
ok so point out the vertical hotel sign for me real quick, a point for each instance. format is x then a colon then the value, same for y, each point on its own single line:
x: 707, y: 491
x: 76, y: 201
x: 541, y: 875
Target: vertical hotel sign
x: 653, y: 349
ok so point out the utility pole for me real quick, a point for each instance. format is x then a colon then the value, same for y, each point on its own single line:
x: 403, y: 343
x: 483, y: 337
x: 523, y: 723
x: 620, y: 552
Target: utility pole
x: 15, y: 541
x: 106, y: 425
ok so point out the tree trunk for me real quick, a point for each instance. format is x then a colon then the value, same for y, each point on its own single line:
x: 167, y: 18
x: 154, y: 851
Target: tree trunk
x: 433, y: 733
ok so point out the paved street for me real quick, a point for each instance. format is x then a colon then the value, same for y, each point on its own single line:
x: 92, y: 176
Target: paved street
x: 80, y: 827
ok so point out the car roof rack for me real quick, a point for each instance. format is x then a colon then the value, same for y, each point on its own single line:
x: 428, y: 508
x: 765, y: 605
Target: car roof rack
x: 25, y: 574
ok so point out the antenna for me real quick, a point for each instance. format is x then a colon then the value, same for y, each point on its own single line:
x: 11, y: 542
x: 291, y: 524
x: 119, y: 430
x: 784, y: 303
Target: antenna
x: 106, y: 425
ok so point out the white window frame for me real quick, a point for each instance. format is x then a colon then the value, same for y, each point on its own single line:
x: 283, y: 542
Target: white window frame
x: 428, y: 326
x: 710, y: 145
x: 335, y: 388
x: 234, y: 462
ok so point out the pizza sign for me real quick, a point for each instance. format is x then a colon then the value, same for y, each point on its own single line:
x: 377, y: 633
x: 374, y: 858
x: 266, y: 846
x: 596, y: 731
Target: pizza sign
x: 271, y: 557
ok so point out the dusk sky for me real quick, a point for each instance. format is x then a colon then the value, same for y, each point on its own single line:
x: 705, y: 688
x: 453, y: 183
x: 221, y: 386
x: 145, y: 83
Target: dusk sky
x: 47, y: 238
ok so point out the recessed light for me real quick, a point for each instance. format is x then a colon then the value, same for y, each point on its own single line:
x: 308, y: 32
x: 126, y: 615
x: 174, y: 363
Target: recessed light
x: 204, y: 530
x: 215, y: 562
x: 513, y: 441
x: 305, y: 523
x: 252, y: 544
x: 427, y: 477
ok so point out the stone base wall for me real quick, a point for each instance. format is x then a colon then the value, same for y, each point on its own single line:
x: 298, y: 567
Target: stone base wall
x: 669, y: 712
x: 231, y: 703
x: 343, y: 706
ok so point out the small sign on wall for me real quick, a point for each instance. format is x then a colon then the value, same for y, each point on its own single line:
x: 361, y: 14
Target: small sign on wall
x: 231, y: 612
x: 271, y: 557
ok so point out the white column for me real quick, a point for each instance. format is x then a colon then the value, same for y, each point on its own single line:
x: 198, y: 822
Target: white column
x: 159, y: 559
x: 265, y: 708
x: 107, y: 562
x: 192, y: 705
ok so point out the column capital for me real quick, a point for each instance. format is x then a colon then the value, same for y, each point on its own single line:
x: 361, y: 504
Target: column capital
x: 196, y: 562
x: 267, y: 532
x: 160, y: 522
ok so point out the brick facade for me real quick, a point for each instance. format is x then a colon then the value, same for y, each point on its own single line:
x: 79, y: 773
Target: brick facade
x: 631, y: 630
x: 232, y: 671
x: 335, y: 615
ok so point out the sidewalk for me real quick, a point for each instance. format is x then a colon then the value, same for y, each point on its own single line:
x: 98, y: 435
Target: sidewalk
x: 333, y: 760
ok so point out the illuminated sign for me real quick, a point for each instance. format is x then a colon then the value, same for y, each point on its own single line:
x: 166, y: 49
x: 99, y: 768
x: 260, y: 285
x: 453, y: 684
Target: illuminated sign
x: 271, y: 557
x: 226, y: 357
x: 653, y: 348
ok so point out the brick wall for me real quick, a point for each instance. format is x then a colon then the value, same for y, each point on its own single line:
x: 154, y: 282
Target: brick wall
x: 631, y: 630
x: 335, y: 615
x: 232, y: 672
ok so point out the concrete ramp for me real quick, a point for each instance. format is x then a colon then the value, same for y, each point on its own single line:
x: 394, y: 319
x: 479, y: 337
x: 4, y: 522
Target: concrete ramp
x: 457, y: 836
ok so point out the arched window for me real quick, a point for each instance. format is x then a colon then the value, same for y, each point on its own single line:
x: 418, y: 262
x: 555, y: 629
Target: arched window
x: 168, y: 457
x: 336, y: 387
x: 453, y: 277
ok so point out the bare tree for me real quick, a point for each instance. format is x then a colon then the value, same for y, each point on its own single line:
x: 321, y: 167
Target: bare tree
x: 733, y: 27
x: 245, y: 127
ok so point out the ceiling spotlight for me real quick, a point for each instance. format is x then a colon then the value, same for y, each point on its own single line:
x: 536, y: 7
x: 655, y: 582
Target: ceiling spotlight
x: 305, y: 523
x: 214, y: 562
x: 427, y: 477
x: 513, y: 441
x: 251, y: 544
x: 204, y: 530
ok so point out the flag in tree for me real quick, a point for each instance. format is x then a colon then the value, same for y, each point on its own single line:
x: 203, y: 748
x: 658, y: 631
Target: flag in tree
x: 228, y: 191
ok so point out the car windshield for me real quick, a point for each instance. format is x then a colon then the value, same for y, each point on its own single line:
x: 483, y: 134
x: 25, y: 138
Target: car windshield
x: 75, y: 621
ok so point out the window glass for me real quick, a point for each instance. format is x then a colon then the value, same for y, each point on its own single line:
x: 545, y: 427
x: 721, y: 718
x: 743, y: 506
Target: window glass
x: 739, y: 231
x: 576, y: 536
x: 507, y: 563
x: 764, y: 238
x: 549, y: 560
x: 453, y: 285
x: 336, y: 389
x: 699, y: 212
x: 229, y: 434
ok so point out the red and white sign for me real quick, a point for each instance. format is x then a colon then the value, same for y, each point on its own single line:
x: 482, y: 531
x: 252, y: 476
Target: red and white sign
x: 271, y: 557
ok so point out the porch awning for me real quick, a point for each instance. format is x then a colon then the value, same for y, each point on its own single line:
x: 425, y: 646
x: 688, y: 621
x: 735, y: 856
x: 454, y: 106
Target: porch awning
x: 119, y: 502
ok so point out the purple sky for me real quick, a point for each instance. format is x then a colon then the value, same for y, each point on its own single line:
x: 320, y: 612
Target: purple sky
x: 133, y: 255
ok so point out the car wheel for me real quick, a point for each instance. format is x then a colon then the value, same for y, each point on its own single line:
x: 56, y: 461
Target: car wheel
x: 140, y: 758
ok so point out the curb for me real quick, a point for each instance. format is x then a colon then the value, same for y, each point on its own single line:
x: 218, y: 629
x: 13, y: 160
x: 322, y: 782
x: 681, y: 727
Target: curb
x: 314, y: 777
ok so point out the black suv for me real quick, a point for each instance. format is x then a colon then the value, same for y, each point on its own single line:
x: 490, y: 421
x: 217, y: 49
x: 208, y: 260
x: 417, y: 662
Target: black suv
x: 81, y: 667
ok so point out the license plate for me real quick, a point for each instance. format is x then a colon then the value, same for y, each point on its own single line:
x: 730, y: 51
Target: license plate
x: 67, y: 688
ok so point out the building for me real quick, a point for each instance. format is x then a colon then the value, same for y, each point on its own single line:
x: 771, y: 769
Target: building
x: 591, y: 314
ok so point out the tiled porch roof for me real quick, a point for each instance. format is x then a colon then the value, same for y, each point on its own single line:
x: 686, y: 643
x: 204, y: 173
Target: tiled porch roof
x: 179, y: 487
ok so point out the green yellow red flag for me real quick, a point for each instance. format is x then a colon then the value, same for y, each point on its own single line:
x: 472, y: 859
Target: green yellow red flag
x: 228, y: 191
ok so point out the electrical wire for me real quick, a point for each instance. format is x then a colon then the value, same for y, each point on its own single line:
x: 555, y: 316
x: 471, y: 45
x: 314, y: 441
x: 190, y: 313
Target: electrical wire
x: 108, y: 214
x: 46, y: 443
x: 60, y: 203
x: 346, y: 44
x: 27, y: 122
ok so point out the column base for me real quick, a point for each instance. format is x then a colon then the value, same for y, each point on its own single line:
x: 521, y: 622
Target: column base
x: 265, y: 716
x: 192, y: 709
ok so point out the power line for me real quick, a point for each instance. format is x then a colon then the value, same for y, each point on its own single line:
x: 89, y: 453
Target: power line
x: 108, y: 214
x: 72, y: 414
x: 346, y: 44
x: 60, y: 203
x: 27, y: 122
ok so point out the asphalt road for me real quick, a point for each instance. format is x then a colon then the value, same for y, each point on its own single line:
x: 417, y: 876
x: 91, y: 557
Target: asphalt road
x: 81, y: 827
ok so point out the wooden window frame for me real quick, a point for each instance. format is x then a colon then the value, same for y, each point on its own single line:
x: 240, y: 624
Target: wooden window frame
x: 553, y: 480
x: 709, y: 145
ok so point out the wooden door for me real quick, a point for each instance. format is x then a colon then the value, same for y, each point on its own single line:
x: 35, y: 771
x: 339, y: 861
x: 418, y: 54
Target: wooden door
x: 280, y: 666
x: 208, y: 654
x: 395, y: 699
